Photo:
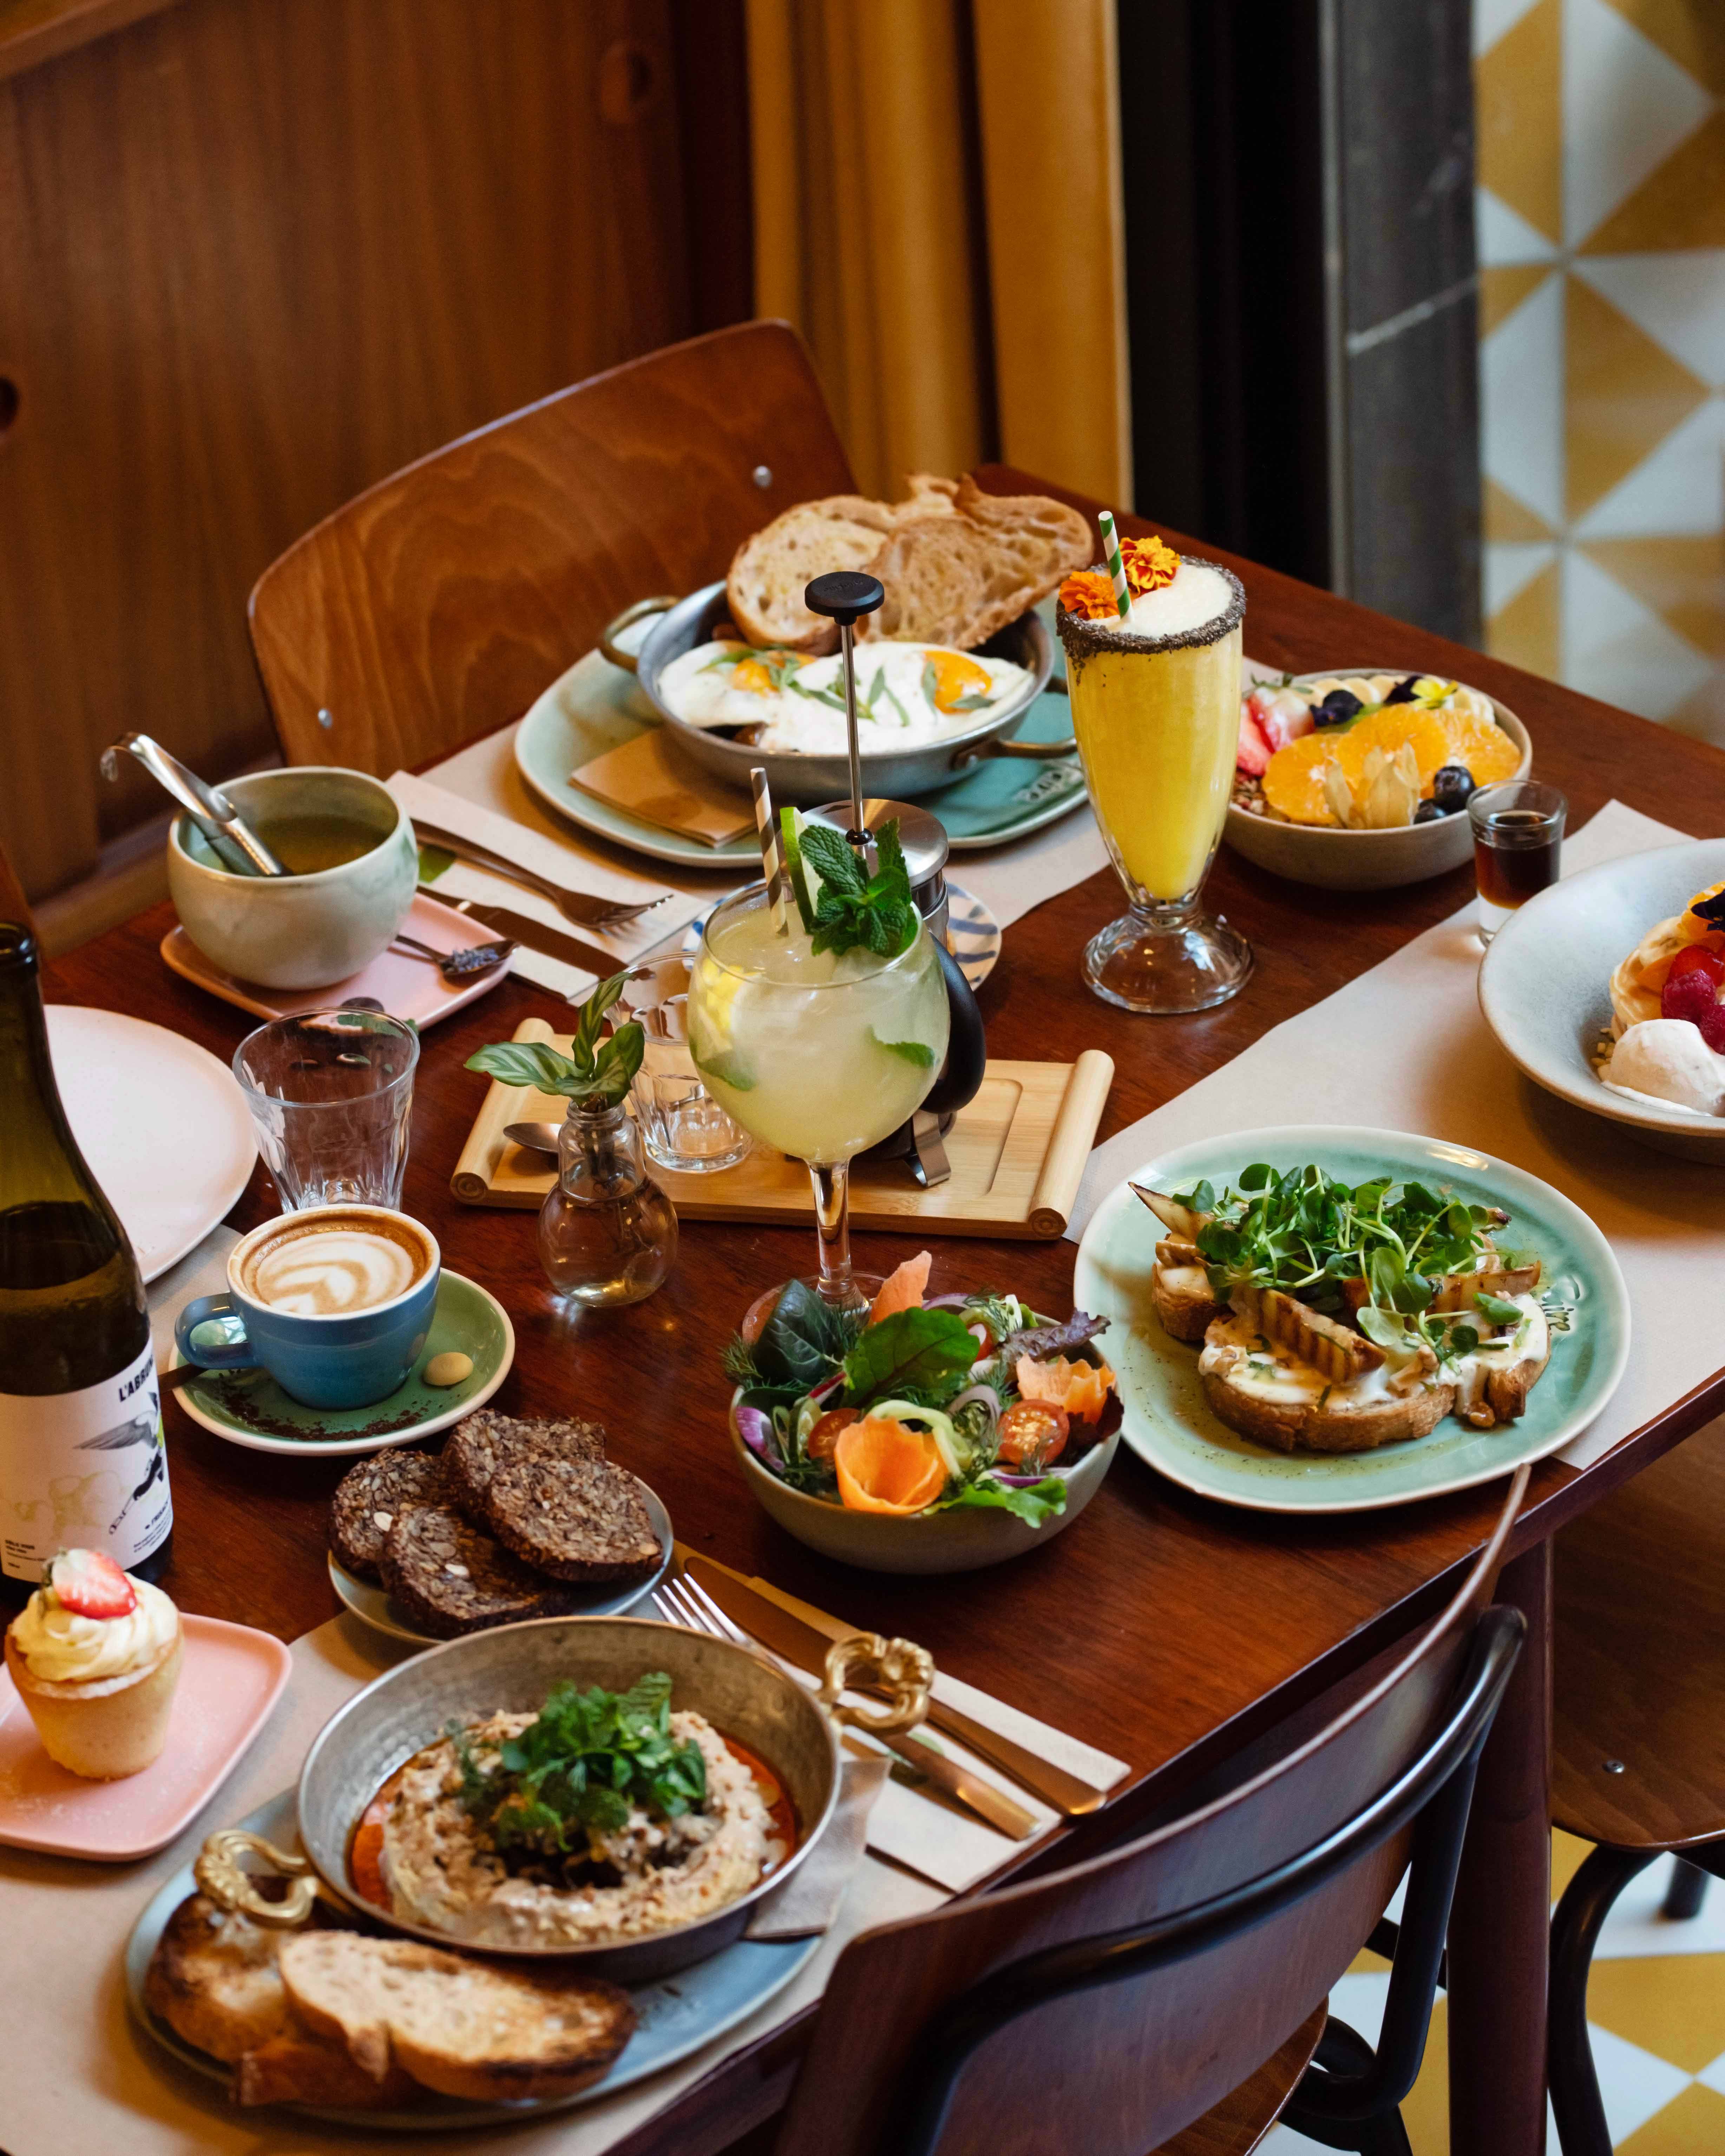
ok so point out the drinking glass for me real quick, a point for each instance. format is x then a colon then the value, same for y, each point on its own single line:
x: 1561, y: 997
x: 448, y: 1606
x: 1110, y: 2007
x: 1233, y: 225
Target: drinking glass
x: 822, y: 1057
x: 331, y: 1093
x: 1518, y: 846
x: 1158, y: 723
x: 682, y: 1126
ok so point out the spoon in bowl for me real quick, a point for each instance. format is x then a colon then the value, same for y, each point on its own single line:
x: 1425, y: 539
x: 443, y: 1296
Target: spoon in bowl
x: 233, y: 839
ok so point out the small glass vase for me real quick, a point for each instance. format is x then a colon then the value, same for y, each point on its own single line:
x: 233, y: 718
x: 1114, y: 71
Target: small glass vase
x: 607, y: 1234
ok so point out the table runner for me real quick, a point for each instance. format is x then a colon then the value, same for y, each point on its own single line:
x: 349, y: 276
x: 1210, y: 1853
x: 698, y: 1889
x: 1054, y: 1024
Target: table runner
x: 1404, y: 1047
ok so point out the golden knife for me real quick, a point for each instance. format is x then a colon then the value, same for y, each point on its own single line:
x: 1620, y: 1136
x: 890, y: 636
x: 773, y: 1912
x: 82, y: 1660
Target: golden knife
x: 1069, y: 1796
x: 806, y: 1648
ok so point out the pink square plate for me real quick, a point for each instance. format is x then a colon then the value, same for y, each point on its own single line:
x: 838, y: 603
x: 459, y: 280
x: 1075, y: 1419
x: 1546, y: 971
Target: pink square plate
x: 230, y: 1677
x: 407, y: 988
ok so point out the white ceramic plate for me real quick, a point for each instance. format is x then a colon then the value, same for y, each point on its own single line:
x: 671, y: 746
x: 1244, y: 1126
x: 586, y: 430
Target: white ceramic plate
x: 372, y: 1605
x: 1544, y: 984
x: 973, y: 934
x: 162, y: 1124
x: 1169, y: 1422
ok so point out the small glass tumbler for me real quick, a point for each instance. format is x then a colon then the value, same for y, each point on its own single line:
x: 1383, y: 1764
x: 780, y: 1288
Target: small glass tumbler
x: 331, y: 1093
x: 682, y: 1126
x: 1518, y: 846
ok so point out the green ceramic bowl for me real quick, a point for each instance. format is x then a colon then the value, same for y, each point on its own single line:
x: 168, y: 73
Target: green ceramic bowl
x: 1167, y: 1421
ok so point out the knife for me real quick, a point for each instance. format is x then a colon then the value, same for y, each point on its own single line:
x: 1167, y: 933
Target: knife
x: 800, y: 1644
x: 548, y: 943
x: 1069, y: 1796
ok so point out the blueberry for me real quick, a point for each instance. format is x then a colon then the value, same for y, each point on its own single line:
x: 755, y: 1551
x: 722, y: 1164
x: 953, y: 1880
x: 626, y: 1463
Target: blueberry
x: 1403, y: 692
x: 1427, y: 812
x: 1451, y: 788
x: 1336, y: 709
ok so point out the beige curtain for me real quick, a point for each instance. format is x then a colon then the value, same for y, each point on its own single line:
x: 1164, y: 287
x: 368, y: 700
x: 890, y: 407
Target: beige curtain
x: 938, y: 208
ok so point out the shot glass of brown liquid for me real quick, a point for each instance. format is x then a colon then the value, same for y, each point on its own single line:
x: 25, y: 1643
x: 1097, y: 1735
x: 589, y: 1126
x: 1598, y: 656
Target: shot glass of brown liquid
x: 1517, y: 842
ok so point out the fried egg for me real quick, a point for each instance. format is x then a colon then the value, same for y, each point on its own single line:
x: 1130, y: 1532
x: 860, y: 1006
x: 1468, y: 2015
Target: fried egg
x: 906, y: 693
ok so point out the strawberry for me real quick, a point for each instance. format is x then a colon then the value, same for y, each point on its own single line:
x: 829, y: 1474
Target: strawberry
x: 91, y: 1585
x: 1283, y: 715
x: 1252, y: 756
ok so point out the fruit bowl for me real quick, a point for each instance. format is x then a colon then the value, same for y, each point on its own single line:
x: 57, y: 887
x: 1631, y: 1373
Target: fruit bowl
x: 1365, y: 860
x: 962, y: 1540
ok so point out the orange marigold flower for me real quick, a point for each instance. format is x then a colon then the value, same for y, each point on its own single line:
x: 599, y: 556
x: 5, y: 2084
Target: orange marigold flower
x: 1089, y: 592
x: 1149, y: 565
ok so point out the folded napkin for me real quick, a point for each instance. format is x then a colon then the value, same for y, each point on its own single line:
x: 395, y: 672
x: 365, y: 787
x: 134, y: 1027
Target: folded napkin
x: 1405, y: 1048
x: 647, y: 778
x: 810, y: 1898
x: 527, y: 835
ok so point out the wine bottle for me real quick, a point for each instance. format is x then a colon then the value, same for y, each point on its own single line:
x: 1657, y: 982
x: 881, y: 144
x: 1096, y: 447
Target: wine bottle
x: 82, y: 1459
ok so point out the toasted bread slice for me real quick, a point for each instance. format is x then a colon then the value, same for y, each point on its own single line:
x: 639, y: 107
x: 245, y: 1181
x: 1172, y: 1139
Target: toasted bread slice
x: 480, y: 2030
x: 296, y: 2068
x: 1180, y: 1291
x: 1337, y: 1425
x: 957, y: 579
x: 769, y: 571
x: 213, y: 1978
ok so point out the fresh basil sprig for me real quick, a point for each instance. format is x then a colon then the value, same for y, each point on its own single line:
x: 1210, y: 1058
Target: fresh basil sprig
x: 595, y: 1073
x: 876, y: 913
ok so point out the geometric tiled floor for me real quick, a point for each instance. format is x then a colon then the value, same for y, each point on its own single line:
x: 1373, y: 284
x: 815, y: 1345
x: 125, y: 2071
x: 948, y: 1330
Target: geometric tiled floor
x: 1656, y: 2009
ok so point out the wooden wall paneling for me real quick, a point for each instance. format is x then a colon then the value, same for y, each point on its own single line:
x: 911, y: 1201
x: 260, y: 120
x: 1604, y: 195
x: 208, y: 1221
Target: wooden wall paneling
x: 253, y: 254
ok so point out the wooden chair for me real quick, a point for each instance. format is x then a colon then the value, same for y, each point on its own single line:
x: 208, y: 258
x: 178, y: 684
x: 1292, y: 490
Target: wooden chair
x: 1169, y: 1995
x: 1639, y: 1727
x: 435, y: 607
x: 13, y: 905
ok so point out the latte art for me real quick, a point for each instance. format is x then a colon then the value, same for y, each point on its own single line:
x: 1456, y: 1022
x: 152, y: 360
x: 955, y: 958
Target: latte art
x: 327, y: 1272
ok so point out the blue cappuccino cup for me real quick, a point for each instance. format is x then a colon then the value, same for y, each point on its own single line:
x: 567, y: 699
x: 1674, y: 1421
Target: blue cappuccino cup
x: 335, y: 1302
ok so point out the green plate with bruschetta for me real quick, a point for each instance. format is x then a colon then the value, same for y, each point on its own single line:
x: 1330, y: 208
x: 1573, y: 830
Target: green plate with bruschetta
x: 1474, y: 1267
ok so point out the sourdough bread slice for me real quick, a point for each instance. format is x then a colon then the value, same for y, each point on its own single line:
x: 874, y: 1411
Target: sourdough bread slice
x: 297, y: 2068
x: 484, y: 2031
x: 214, y: 1979
x: 769, y: 571
x: 958, y: 579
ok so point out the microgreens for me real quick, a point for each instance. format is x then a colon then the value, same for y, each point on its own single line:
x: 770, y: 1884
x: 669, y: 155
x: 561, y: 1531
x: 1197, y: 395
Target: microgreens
x: 875, y: 912
x: 594, y: 1073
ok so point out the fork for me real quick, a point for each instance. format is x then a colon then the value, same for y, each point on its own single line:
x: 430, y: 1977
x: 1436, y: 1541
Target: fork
x: 688, y: 1603
x: 580, y: 907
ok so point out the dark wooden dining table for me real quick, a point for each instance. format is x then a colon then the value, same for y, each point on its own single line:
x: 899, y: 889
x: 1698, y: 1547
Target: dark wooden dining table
x: 1165, y: 1628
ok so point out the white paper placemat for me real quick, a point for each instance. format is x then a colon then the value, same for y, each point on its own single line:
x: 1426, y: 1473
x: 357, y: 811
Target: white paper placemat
x: 1405, y: 1048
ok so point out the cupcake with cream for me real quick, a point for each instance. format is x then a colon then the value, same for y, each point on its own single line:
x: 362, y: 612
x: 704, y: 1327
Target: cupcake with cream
x: 94, y: 1654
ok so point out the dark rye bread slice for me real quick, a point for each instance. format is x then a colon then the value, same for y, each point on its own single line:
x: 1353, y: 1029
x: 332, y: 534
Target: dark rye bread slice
x: 449, y: 1578
x: 572, y: 1518
x: 471, y: 1455
x: 370, y: 1497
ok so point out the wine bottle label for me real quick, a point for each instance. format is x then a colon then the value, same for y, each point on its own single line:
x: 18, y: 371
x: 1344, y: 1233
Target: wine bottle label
x: 84, y: 1471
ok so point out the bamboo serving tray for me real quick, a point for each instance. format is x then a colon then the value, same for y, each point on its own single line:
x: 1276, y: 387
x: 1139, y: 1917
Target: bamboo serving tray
x: 1018, y: 1153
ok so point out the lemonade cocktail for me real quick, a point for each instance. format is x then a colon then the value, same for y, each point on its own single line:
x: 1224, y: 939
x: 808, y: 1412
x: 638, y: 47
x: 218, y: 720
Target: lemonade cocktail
x: 1155, y: 700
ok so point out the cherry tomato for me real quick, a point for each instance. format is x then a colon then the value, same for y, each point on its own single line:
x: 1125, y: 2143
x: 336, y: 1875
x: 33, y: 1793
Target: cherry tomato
x: 822, y: 1440
x: 984, y: 1335
x: 1696, y: 958
x: 1033, y: 1434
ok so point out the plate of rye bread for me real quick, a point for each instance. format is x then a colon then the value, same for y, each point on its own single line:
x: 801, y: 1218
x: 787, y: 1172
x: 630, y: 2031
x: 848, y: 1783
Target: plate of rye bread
x: 512, y: 1520
x: 1329, y: 1319
x: 986, y: 725
x: 389, y: 2034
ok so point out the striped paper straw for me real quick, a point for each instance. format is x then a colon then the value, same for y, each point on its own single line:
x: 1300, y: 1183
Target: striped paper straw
x: 767, y: 826
x: 1116, y: 568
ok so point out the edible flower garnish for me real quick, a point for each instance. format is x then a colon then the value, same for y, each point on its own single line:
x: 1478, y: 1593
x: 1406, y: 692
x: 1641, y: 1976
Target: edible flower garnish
x: 1090, y: 593
x: 594, y: 1073
x: 1149, y: 564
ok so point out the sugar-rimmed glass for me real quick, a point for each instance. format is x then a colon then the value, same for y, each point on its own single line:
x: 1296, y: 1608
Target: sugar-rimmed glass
x: 331, y: 1094
x: 820, y: 1057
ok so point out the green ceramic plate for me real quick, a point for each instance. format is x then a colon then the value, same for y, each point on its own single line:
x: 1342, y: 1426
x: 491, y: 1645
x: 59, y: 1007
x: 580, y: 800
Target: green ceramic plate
x: 1169, y: 1422
x: 596, y: 706
x: 248, y: 1407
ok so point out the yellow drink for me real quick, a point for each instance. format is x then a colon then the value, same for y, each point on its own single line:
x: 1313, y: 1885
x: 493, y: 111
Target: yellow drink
x: 1156, y: 711
x: 1157, y: 732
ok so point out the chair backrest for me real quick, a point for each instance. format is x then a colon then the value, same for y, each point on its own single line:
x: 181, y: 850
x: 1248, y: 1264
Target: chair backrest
x: 1137, y: 2060
x: 436, y: 606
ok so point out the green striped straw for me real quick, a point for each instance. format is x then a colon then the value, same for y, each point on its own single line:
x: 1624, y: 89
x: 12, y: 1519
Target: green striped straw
x: 1116, y: 568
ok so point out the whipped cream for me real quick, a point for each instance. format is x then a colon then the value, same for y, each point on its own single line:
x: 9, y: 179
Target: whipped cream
x: 1665, y: 1059
x: 60, y: 1647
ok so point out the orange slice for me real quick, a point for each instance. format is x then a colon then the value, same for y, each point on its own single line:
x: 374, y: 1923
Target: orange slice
x: 904, y: 1288
x: 1397, y: 724
x: 1294, y: 777
x: 1081, y: 1388
x: 883, y: 1466
x: 1487, y: 751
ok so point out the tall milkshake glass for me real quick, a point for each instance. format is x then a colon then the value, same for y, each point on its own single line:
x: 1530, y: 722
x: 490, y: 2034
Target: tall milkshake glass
x: 1156, y: 708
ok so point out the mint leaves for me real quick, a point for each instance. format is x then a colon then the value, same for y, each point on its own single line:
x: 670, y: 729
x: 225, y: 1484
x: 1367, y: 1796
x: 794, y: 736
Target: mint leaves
x: 854, y: 910
x: 594, y: 1073
x: 913, y: 1051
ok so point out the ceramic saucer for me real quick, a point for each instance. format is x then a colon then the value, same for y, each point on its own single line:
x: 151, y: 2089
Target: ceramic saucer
x: 248, y: 1407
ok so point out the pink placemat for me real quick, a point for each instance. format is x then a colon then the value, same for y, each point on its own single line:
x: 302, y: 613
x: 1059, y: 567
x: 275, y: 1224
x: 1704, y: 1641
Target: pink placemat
x: 407, y: 988
x: 230, y: 1678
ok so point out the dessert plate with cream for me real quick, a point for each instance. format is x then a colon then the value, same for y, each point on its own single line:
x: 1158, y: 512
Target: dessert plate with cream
x: 249, y: 1407
x: 1168, y: 1421
x: 1575, y: 987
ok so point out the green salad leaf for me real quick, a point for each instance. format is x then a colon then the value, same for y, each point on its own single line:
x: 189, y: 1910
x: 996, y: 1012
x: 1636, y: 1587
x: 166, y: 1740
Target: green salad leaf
x: 586, y: 1760
x: 927, y: 1352
x: 1035, y: 1503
